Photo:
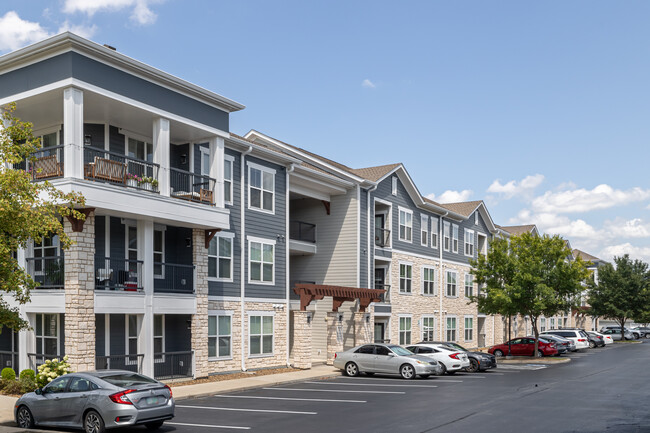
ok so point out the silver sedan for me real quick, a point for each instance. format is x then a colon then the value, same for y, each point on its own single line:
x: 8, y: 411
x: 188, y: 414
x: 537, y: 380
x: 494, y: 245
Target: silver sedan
x: 385, y: 358
x: 97, y: 400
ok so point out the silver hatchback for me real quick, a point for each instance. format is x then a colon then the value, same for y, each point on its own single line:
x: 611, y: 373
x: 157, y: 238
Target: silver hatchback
x: 97, y: 400
x: 385, y: 358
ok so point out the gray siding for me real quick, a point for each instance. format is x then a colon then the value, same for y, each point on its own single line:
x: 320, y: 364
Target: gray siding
x: 100, y: 334
x: 176, y: 152
x: 177, y: 336
x: 116, y: 141
x: 363, y: 239
x: 96, y: 133
x: 118, y: 334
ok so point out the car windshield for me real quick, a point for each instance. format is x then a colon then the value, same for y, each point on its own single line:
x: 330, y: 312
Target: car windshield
x: 126, y: 380
x: 456, y: 347
x: 400, y: 351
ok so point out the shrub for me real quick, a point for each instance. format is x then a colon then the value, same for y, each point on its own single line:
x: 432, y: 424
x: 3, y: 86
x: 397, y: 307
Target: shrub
x: 28, y: 373
x: 51, y: 370
x: 27, y: 384
x: 8, y: 373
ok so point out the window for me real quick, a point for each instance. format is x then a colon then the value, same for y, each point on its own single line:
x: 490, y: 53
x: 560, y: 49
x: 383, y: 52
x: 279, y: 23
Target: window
x: 158, y: 337
x: 405, y: 276
x: 58, y: 385
x: 47, y: 334
x: 434, y: 232
x: 476, y: 218
x: 552, y: 323
x: 469, y: 243
x: 132, y: 338
x: 424, y: 224
x: 261, y: 335
x: 227, y: 178
x: 205, y: 160
x: 132, y: 248
x: 445, y: 235
x: 158, y: 253
x: 260, y: 262
x: 469, y: 328
x: 428, y: 281
x: 261, y: 189
x: 451, y: 284
x: 404, y: 330
x: 428, y: 328
x: 220, y: 257
x: 454, y: 241
x: 469, y: 285
x: 139, y: 149
x: 219, y: 336
x: 47, y: 250
x: 393, y: 185
x: 451, y: 329
x: 542, y: 324
x: 405, y: 225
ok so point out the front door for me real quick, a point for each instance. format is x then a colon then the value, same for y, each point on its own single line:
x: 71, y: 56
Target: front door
x: 481, y: 331
x: 379, y: 332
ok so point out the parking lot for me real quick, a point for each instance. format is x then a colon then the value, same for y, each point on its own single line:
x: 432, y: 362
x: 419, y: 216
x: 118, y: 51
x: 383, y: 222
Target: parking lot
x: 599, y: 389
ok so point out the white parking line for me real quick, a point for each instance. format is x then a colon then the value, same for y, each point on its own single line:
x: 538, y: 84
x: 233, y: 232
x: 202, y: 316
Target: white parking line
x: 335, y: 390
x: 249, y: 410
x: 292, y: 399
x: 393, y: 380
x: 371, y: 384
x: 232, y: 427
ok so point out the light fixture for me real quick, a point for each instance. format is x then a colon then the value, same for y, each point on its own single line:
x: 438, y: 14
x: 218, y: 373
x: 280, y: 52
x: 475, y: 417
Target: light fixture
x: 309, y: 317
x: 188, y: 242
x: 367, y: 317
x: 88, y: 140
x: 184, y: 158
x: 340, y: 317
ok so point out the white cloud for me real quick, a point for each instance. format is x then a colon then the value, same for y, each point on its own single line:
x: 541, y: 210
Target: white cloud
x: 16, y: 32
x: 583, y: 200
x: 554, y: 224
x: 635, y: 252
x: 83, y: 31
x: 368, y: 84
x: 525, y: 187
x: 140, y: 10
x: 450, y: 196
x: 621, y: 228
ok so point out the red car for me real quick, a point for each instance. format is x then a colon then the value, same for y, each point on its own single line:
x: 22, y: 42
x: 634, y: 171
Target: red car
x: 523, y: 347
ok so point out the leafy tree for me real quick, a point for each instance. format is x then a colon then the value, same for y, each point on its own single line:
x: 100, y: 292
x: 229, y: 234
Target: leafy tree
x: 622, y: 292
x: 28, y: 210
x: 528, y: 275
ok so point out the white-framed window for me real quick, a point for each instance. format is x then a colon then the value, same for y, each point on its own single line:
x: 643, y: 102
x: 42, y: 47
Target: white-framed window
x: 261, y: 260
x: 450, y: 281
x: 434, y: 232
x: 469, y: 328
x: 219, y: 336
x: 405, y: 225
x: 469, y: 285
x: 47, y: 334
x: 469, y: 243
x: 159, y: 337
x: 428, y: 280
x: 131, y: 324
x: 405, y: 277
x: 451, y: 328
x: 428, y: 328
x: 220, y: 253
x: 205, y: 160
x: 261, y: 188
x: 446, y: 235
x: 552, y: 323
x: 260, y: 334
x: 542, y: 324
x: 158, y: 253
x: 47, y: 249
x: 424, y: 224
x: 393, y: 185
x: 132, y: 247
x: 404, y: 330
x: 454, y: 238
x: 228, y: 162
x: 139, y: 149
x: 476, y: 218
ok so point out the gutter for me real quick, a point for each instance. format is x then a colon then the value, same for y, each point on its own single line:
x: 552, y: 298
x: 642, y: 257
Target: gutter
x: 287, y: 271
x: 368, y: 191
x: 242, y: 245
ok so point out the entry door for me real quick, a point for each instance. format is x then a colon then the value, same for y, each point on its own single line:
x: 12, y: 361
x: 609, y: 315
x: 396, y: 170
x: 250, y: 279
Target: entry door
x: 481, y: 332
x: 379, y: 332
x: 380, y: 238
x: 380, y: 281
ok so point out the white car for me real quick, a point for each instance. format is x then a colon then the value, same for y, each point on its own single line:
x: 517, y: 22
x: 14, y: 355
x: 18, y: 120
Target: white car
x: 578, y: 336
x: 449, y: 359
x: 606, y: 338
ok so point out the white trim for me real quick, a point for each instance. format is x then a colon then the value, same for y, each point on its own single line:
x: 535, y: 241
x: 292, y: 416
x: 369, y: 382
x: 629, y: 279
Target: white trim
x: 430, y: 268
x: 399, y: 328
x: 263, y: 169
x: 465, y: 243
x: 217, y: 314
x: 229, y: 159
x: 434, y: 245
x: 465, y: 276
x: 454, y: 248
x: 126, y: 338
x: 399, y: 270
x: 447, y: 271
x: 262, y: 314
x: 406, y: 211
x: 422, y: 256
x: 427, y: 316
x: 447, y: 317
x: 225, y: 235
x: 424, y: 227
x: 358, y: 244
x: 204, y: 152
x: 446, y: 224
x: 393, y: 185
x: 468, y: 316
x: 263, y: 242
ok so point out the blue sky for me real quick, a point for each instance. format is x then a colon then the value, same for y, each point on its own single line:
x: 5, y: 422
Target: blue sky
x: 539, y: 108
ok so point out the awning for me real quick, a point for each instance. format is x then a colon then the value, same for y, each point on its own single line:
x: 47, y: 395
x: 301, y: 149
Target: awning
x: 339, y: 294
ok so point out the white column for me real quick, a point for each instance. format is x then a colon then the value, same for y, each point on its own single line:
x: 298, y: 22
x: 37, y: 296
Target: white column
x: 216, y: 168
x: 145, y: 338
x: 73, y: 132
x: 161, y: 153
x: 23, y: 360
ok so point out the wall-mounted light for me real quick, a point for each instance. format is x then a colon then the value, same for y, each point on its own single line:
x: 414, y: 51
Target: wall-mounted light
x: 309, y: 317
x: 184, y: 158
x: 188, y: 242
x: 340, y: 317
x: 189, y: 324
x: 88, y: 140
x: 367, y: 317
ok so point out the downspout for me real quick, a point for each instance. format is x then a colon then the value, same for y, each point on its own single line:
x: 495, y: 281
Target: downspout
x: 242, y: 243
x: 287, y: 261
x: 440, y: 232
x: 370, y: 245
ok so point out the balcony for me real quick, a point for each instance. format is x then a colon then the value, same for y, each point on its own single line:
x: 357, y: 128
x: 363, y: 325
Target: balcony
x: 385, y: 297
x: 193, y: 187
x: 121, y: 170
x: 173, y: 365
x: 301, y: 231
x: 118, y: 274
x: 173, y: 278
x: 48, y: 272
x: 382, y: 237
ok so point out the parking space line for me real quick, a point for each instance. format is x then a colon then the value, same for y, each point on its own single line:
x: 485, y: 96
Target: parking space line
x: 371, y: 384
x: 362, y: 379
x: 231, y: 427
x: 335, y: 390
x: 233, y: 409
x: 292, y: 398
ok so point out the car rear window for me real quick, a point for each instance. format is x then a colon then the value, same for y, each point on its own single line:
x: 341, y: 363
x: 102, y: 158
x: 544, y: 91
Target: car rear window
x: 126, y: 380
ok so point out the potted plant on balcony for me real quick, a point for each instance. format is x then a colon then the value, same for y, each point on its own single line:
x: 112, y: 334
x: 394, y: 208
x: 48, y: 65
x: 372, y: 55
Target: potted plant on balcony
x: 133, y: 180
x: 148, y: 183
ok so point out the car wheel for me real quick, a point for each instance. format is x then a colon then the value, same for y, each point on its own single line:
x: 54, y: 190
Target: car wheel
x: 592, y: 344
x: 540, y: 354
x: 351, y: 369
x: 443, y: 369
x: 93, y: 423
x: 498, y: 353
x: 154, y: 425
x: 407, y: 371
x: 24, y: 418
x: 473, y: 366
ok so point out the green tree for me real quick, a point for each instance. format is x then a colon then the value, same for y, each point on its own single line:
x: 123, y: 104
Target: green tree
x: 28, y: 210
x: 622, y: 292
x: 528, y: 275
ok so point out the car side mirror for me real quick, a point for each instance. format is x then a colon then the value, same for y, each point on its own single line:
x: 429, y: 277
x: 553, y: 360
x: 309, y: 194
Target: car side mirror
x: 38, y: 391
x: 391, y: 354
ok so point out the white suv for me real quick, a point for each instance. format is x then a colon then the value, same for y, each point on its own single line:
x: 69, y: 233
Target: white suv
x: 449, y: 359
x: 578, y: 336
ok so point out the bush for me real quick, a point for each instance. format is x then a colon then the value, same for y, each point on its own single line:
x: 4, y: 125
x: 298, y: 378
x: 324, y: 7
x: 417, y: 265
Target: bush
x: 28, y: 373
x: 51, y: 370
x: 8, y: 373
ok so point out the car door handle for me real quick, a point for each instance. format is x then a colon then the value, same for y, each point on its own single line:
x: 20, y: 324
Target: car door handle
x: 83, y: 396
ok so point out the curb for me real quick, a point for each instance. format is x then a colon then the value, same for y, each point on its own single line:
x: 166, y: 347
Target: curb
x: 531, y: 360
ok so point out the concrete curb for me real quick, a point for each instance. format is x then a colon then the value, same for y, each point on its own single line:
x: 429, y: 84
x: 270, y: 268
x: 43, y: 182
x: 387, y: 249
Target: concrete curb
x: 532, y: 360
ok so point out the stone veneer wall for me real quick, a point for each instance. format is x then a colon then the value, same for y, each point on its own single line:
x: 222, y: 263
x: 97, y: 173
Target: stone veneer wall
x: 334, y: 335
x: 233, y: 362
x: 302, y: 339
x: 80, y: 296
x: 200, y: 319
x: 363, y: 331
x: 280, y: 343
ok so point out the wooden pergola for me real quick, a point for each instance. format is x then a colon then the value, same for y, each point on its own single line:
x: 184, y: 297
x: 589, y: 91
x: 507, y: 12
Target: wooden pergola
x: 339, y: 294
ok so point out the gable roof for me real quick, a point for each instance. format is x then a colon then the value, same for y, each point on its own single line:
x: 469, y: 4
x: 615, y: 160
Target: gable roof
x: 465, y: 208
x: 374, y: 174
x: 518, y: 230
x: 585, y: 256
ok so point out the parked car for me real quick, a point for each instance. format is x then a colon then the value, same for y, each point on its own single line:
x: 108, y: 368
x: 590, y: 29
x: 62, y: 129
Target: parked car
x: 578, y: 336
x: 385, y: 358
x: 607, y: 339
x: 450, y: 360
x: 644, y: 332
x: 479, y: 361
x: 97, y: 400
x: 563, y: 345
x: 595, y: 340
x: 615, y: 334
x: 524, y: 346
x: 635, y: 335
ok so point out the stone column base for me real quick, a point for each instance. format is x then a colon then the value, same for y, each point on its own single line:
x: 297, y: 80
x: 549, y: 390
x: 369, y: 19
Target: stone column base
x: 363, y: 330
x: 334, y: 335
x: 302, y: 345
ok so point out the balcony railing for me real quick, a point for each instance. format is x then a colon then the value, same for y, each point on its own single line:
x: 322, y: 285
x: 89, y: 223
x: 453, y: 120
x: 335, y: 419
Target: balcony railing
x: 192, y: 187
x: 382, y: 237
x: 385, y: 297
x: 118, y: 169
x: 38, y: 359
x: 173, y: 365
x: 9, y: 359
x: 45, y: 163
x: 48, y: 272
x: 173, y: 278
x: 120, y: 362
x: 301, y: 231
x: 118, y: 274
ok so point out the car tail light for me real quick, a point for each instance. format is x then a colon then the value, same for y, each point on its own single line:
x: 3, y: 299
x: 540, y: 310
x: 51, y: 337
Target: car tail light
x: 171, y: 394
x: 335, y: 354
x: 454, y: 355
x: 582, y: 340
x: 121, y: 398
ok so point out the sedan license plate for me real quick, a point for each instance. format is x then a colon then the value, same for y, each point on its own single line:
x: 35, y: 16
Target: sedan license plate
x: 153, y: 400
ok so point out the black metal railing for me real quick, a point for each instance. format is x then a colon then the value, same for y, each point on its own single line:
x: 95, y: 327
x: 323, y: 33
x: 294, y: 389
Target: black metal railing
x: 118, y: 274
x: 118, y: 169
x: 9, y: 359
x: 120, y: 362
x: 301, y: 231
x: 173, y: 278
x: 38, y: 359
x: 385, y: 297
x: 173, y: 365
x: 48, y: 272
x: 192, y: 187
x: 45, y: 163
x: 382, y: 237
